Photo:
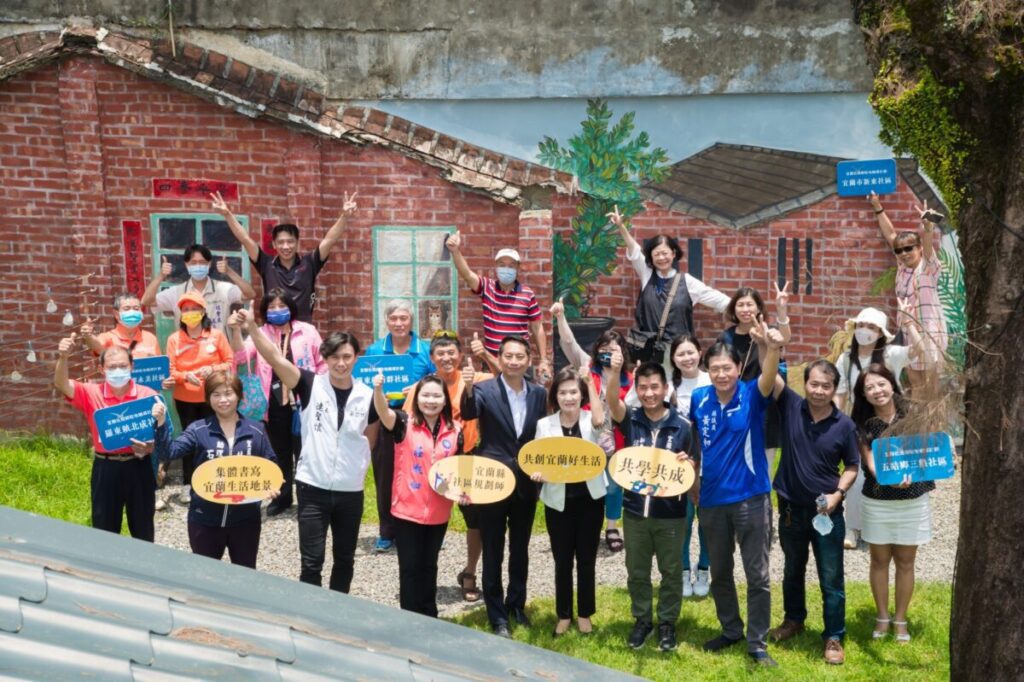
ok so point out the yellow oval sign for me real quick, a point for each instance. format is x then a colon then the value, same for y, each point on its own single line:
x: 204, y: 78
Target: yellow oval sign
x: 483, y: 479
x: 236, y: 479
x: 561, y: 459
x: 651, y: 471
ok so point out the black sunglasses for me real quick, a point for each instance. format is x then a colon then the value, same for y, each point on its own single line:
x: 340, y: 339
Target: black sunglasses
x: 904, y: 249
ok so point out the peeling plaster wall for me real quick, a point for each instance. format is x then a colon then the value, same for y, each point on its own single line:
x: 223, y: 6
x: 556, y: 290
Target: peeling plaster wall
x: 494, y: 49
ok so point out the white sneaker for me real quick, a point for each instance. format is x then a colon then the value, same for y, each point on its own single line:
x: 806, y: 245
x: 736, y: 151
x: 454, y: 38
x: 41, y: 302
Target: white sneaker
x: 852, y: 539
x: 687, y: 584
x: 160, y: 504
x: 702, y: 587
x: 185, y: 497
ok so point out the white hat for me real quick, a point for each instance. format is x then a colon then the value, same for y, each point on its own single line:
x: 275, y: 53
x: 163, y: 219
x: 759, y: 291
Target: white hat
x: 876, y: 317
x: 511, y: 253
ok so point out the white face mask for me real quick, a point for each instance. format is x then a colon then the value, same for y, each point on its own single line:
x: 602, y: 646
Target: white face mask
x: 866, y: 337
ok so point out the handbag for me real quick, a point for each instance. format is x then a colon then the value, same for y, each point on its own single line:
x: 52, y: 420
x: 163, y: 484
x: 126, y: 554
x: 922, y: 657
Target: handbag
x: 648, y: 346
x: 254, y: 401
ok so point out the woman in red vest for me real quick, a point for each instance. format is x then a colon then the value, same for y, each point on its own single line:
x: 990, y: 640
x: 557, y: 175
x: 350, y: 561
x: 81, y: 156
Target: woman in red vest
x: 421, y: 515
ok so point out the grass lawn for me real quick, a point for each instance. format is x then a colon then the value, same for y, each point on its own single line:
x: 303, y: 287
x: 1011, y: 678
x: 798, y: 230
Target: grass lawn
x: 47, y: 476
x: 925, y: 658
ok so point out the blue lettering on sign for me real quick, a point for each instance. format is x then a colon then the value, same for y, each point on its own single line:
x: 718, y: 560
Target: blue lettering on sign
x: 923, y: 457
x: 398, y: 370
x: 151, y: 372
x: 118, y: 425
x: 859, y: 178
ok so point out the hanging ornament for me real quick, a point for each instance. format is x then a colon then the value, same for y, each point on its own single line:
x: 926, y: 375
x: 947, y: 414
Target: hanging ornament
x: 69, y: 319
x: 15, y: 375
x: 31, y: 357
x: 51, y: 306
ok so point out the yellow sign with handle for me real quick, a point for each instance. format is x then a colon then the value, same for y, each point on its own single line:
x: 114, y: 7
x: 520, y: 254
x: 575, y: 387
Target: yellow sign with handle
x: 562, y: 459
x: 236, y: 479
x: 651, y: 471
x: 482, y: 479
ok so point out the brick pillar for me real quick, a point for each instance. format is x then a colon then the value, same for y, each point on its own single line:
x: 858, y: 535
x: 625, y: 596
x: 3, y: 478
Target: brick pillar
x: 535, y: 250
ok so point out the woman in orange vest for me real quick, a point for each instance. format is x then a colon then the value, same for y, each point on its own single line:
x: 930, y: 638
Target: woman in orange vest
x: 196, y: 350
x: 421, y: 515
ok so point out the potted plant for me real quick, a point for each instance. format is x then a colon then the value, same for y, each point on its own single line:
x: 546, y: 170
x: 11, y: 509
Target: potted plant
x: 610, y: 165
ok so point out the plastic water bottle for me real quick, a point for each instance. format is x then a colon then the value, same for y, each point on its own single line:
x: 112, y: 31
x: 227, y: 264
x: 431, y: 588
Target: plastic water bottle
x: 822, y: 522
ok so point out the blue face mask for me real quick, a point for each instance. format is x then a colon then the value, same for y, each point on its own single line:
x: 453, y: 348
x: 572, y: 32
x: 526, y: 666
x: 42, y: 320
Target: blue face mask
x: 131, y: 318
x: 118, y: 377
x: 198, y: 271
x: 506, y: 275
x: 279, y: 316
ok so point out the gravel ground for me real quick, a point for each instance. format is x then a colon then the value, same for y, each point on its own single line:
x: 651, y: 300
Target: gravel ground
x: 376, y: 575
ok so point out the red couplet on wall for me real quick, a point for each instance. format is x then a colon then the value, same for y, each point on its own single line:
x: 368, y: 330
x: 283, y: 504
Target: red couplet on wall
x: 180, y: 188
x: 134, y: 261
x: 267, y: 232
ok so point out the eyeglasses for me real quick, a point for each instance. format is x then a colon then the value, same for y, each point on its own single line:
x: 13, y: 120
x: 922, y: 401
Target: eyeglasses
x: 904, y: 249
x: 446, y: 334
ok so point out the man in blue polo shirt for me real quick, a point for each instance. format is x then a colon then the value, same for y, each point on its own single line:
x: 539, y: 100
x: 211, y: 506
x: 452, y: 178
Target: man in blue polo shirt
x: 735, y: 503
x: 816, y: 438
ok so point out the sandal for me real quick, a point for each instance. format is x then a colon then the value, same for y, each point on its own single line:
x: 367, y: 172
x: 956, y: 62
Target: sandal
x: 879, y: 634
x: 904, y: 637
x: 613, y: 538
x: 469, y: 592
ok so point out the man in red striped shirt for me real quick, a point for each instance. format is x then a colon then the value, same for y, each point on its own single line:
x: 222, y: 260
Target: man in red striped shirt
x: 509, y: 307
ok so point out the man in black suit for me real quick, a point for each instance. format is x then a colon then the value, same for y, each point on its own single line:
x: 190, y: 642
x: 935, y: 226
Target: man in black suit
x: 508, y: 408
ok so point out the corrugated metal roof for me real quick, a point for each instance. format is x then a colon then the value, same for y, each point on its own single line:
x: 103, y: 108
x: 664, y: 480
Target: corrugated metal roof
x: 740, y: 185
x: 80, y: 603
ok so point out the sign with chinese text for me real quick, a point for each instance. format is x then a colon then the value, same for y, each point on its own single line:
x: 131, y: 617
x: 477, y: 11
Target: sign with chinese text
x: 482, y: 479
x: 119, y: 424
x: 182, y: 188
x: 922, y: 457
x: 860, y: 178
x: 152, y: 371
x: 646, y: 470
x: 398, y: 372
x: 236, y: 479
x: 561, y: 459
x: 134, y: 262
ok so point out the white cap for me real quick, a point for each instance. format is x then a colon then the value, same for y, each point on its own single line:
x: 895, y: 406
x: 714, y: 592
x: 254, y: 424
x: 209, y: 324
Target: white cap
x: 511, y: 253
x: 876, y: 317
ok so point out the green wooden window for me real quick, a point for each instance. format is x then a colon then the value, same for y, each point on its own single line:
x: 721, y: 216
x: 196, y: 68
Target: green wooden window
x: 412, y: 263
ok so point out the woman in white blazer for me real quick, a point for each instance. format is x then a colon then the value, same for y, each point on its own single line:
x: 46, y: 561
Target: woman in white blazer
x: 574, y: 512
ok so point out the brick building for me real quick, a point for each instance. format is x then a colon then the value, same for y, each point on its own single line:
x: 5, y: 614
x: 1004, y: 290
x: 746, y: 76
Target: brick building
x: 98, y: 128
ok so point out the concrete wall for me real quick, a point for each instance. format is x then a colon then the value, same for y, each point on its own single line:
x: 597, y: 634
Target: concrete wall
x: 494, y: 49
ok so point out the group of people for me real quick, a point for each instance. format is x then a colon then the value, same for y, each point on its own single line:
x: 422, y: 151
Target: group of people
x: 725, y: 410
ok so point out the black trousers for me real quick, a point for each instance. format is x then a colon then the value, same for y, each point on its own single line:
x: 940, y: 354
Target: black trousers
x: 383, y: 460
x: 286, y: 446
x: 516, y: 514
x: 242, y: 542
x: 418, y: 546
x: 575, y: 535
x: 188, y: 413
x: 322, y: 510
x: 119, y: 486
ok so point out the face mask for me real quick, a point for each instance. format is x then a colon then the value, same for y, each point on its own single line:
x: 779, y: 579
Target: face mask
x: 131, y: 318
x: 118, y: 377
x: 192, y: 319
x: 279, y: 316
x: 866, y: 337
x: 198, y: 271
x: 506, y: 275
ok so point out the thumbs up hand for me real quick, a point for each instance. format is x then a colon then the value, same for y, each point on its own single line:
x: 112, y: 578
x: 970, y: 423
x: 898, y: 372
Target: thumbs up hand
x: 165, y: 267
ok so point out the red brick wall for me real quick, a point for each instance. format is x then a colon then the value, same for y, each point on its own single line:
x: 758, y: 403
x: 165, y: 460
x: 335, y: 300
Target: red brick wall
x: 82, y: 141
x: 849, y: 254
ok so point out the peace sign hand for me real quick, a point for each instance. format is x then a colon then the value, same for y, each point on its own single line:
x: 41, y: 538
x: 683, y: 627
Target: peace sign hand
x: 781, y: 299
x: 348, y: 204
x: 616, y: 218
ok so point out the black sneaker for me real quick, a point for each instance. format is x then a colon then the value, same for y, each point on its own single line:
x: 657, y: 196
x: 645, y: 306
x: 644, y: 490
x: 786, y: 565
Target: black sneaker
x: 667, y: 637
x: 762, y: 658
x: 719, y: 643
x: 641, y: 631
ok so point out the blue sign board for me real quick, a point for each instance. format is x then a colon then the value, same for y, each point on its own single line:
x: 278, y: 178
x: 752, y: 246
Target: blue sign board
x: 398, y: 372
x: 118, y: 425
x: 151, y: 372
x: 923, y: 457
x: 861, y: 178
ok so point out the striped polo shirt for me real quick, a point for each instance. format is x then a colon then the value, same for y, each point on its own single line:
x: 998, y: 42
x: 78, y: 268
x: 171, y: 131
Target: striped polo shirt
x: 506, y: 312
x: 920, y: 286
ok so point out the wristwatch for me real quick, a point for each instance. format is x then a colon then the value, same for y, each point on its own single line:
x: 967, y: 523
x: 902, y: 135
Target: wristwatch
x: 842, y: 493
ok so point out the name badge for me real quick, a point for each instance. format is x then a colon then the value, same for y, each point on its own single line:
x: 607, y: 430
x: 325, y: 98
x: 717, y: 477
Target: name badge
x: 210, y: 348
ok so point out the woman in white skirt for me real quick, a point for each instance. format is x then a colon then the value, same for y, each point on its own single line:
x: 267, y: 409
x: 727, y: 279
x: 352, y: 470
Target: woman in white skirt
x: 896, y: 519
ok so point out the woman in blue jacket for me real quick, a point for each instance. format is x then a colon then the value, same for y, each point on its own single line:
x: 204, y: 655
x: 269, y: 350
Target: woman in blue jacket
x: 213, y: 527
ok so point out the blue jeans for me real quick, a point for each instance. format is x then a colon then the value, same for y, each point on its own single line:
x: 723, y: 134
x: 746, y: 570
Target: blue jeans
x: 795, y: 535
x: 702, y: 560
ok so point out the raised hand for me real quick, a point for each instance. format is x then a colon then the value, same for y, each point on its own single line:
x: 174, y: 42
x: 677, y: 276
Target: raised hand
x: 468, y: 374
x: 222, y: 265
x: 476, y: 346
x: 219, y: 205
x: 616, y: 357
x: 558, y: 308
x: 781, y: 298
x: 165, y: 267
x: 875, y: 203
x: 378, y: 380
x: 348, y: 204
x: 159, y: 412
x: 244, y: 318
x: 454, y: 242
x: 67, y: 344
x: 774, y: 338
x: 616, y: 218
